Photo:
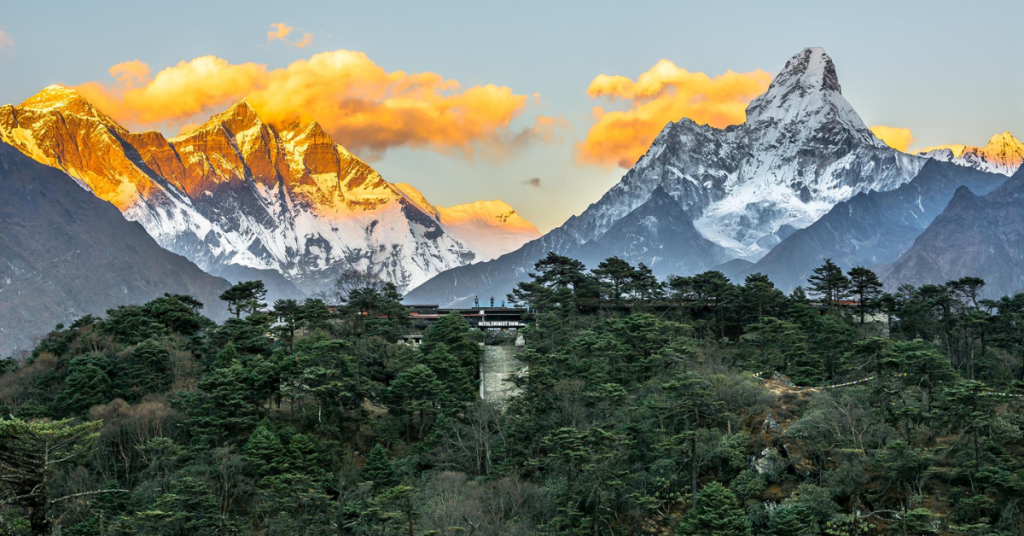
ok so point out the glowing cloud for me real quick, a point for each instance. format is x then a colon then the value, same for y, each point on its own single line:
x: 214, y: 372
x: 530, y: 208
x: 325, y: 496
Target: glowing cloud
x: 307, y: 39
x: 279, y: 31
x: 363, y: 106
x: 5, y: 40
x: 662, y: 94
x: 896, y: 137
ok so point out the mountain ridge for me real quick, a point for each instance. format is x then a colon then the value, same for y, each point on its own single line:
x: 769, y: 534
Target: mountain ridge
x: 239, y: 191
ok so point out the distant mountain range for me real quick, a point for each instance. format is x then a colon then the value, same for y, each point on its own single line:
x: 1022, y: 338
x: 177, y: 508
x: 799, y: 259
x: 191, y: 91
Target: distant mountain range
x: 1002, y: 154
x: 65, y: 253
x: 237, y: 195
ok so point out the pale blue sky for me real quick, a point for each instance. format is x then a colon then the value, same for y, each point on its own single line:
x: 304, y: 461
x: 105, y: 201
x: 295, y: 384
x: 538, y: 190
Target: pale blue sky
x: 949, y: 71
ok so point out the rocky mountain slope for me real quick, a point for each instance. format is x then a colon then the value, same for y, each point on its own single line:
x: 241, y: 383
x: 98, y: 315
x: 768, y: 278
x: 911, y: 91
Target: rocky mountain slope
x: 802, y: 149
x: 872, y: 228
x: 1002, y: 154
x: 64, y: 253
x: 238, y: 191
x: 977, y: 236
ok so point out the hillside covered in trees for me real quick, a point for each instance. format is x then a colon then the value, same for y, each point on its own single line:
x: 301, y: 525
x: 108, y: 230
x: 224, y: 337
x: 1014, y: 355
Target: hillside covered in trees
x: 692, y: 406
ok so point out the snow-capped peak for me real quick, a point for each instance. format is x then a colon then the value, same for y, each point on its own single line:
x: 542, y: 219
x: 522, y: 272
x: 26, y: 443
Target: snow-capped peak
x: 807, y: 91
x: 1002, y: 154
x: 490, y: 228
x: 58, y: 98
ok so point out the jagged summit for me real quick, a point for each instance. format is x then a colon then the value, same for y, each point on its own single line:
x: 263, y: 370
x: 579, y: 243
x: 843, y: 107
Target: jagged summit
x: 806, y: 92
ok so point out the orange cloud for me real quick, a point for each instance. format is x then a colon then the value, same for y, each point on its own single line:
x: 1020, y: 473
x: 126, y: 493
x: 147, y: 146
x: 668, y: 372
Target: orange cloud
x: 307, y: 39
x: 364, y: 107
x: 5, y: 40
x: 278, y: 31
x: 898, y: 138
x: 662, y: 94
x: 130, y: 73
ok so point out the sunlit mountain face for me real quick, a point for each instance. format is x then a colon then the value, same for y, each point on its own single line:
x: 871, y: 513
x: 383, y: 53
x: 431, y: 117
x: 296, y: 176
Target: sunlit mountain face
x: 1002, y: 154
x: 238, y: 191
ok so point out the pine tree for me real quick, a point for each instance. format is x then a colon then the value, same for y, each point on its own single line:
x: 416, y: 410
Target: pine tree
x: 245, y: 297
x: 378, y: 469
x: 717, y: 513
x: 85, y: 386
x: 265, y: 452
x: 615, y: 276
x: 146, y: 370
x: 791, y: 520
x: 829, y: 283
x: 865, y: 285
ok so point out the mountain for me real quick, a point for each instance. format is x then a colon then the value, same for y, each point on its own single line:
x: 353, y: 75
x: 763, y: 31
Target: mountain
x: 64, y: 253
x: 1002, y: 154
x: 872, y: 228
x: 977, y: 236
x: 488, y: 228
x: 237, y: 191
x: 661, y: 235
x: 801, y: 150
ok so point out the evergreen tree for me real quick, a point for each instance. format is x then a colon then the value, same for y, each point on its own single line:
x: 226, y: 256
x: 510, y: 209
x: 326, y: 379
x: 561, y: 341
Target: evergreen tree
x: 829, y: 283
x: 245, y: 297
x: 864, y: 284
x: 717, y: 513
x: 791, y: 520
x: 615, y: 276
x: 378, y: 469
x: 265, y: 452
x: 146, y: 370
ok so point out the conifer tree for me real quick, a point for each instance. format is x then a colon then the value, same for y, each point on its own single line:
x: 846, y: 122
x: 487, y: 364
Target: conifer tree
x: 265, y: 452
x: 829, y: 283
x: 717, y: 513
x: 378, y: 469
x: 864, y: 284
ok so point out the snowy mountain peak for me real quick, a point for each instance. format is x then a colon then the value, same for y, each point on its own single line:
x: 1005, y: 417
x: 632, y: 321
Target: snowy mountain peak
x: 806, y: 94
x: 57, y: 98
x: 239, y: 118
x: 1002, y: 154
x: 54, y: 95
x: 490, y: 228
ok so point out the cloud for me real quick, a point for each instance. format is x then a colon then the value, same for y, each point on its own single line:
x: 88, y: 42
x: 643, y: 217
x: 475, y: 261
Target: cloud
x: 662, y: 94
x: 363, y: 106
x: 898, y: 138
x: 307, y: 39
x: 279, y: 31
x: 532, y: 181
x: 130, y: 73
x: 6, y: 40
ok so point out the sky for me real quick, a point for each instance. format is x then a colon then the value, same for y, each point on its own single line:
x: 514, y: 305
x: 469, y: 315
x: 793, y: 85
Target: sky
x: 541, y: 104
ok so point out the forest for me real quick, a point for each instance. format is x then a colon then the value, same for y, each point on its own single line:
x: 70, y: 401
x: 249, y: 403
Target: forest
x: 689, y: 406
